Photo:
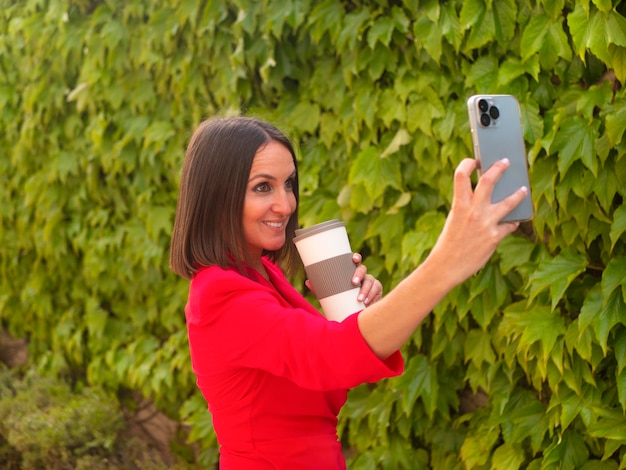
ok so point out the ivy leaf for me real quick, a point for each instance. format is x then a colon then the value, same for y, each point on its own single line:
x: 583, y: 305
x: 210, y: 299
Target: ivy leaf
x: 529, y: 420
x: 488, y: 293
x: 428, y: 35
x: 605, y: 187
x: 618, y: 227
x: 591, y: 306
x: 484, y: 73
x: 544, y: 180
x: 615, y: 26
x: 504, y: 16
x: 480, y: 22
x: 616, y: 123
x: 620, y: 352
x: 419, y: 380
x: 532, y: 325
x: 326, y: 17
x: 450, y: 25
x: 382, y: 30
x: 549, y: 43
x: 416, y: 243
x: 571, y: 405
x: 508, y: 456
x: 575, y: 140
x: 477, y: 447
x: 391, y: 108
x: 513, y: 68
x: 402, y: 201
x: 157, y: 134
x: 478, y: 348
x: 514, y: 251
x: 618, y: 61
x: 389, y: 229
x: 603, y: 5
x: 567, y: 452
x: 159, y: 219
x: 66, y: 164
x: 423, y: 111
x: 352, y: 29
x: 589, y: 31
x: 360, y: 200
x: 380, y: 59
x: 556, y: 275
x: 376, y: 174
x: 471, y: 12
x: 614, y: 276
x: 305, y: 117
x: 613, y: 428
x: 553, y: 7
x: 401, y: 138
x: 603, y: 313
x: 620, y: 380
x: 533, y: 35
x: 96, y: 317
x: 366, y: 108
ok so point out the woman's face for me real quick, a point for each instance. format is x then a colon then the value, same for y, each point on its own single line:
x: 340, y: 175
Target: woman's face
x: 270, y: 199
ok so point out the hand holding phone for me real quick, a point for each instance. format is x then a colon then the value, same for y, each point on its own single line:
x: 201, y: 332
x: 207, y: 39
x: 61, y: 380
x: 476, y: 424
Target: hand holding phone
x: 496, y: 134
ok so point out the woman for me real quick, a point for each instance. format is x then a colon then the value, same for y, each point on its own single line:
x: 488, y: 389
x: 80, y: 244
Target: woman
x: 274, y: 371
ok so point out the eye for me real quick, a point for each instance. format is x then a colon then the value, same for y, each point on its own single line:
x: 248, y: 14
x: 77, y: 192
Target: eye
x: 262, y: 188
x: 290, y: 183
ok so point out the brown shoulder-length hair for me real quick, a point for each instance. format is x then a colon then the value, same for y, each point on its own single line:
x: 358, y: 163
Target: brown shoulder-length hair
x: 208, y: 228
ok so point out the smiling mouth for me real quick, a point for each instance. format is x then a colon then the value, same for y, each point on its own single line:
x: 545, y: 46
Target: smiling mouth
x: 274, y: 224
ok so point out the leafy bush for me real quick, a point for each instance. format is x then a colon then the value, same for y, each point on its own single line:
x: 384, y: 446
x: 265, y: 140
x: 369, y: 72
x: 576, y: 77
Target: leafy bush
x: 45, y: 424
x: 50, y: 426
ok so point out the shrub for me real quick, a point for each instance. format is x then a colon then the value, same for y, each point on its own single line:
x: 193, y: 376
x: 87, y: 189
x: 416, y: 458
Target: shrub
x: 52, y: 426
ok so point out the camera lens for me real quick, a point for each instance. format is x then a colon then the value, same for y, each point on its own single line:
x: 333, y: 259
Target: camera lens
x: 485, y: 120
x: 483, y: 105
x: 494, y: 112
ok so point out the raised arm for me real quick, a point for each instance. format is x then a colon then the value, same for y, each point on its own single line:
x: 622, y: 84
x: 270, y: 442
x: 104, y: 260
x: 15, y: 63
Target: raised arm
x: 470, y: 236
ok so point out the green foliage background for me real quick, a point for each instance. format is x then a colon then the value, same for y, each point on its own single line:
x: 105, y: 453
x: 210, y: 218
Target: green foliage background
x: 98, y: 99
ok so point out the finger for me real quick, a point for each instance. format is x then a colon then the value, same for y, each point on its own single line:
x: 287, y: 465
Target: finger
x: 357, y: 258
x: 375, y: 293
x: 509, y: 203
x: 462, y: 179
x: 489, y: 178
x: 309, y: 286
x: 367, y: 290
x: 509, y: 227
x: 359, y: 274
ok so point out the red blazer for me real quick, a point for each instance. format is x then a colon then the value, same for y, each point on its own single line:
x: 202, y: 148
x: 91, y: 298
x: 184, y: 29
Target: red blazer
x: 273, y: 370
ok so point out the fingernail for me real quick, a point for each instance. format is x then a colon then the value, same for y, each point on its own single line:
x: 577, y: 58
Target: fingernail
x: 505, y: 160
x: 366, y: 301
x: 360, y: 298
x: 355, y: 280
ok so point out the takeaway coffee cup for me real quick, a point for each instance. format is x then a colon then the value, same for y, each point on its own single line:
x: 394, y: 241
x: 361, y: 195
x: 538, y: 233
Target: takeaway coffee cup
x: 325, y: 251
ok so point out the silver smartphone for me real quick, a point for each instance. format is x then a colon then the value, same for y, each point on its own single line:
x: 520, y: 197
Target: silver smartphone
x: 497, y: 133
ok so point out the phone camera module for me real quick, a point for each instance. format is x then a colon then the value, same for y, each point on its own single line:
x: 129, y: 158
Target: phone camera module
x: 489, y: 113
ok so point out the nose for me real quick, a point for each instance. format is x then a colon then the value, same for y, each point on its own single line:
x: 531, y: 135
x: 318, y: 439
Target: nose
x: 283, y: 202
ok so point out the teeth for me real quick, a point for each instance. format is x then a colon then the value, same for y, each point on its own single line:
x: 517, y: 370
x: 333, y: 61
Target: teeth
x: 274, y: 224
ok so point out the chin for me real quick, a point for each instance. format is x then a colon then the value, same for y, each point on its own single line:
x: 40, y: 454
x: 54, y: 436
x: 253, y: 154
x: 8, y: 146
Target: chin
x: 275, y: 246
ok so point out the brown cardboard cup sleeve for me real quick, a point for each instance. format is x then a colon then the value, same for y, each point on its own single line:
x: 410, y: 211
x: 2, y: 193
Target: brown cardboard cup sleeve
x: 325, y: 251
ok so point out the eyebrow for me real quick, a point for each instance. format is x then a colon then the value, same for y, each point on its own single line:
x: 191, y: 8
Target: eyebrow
x: 270, y: 177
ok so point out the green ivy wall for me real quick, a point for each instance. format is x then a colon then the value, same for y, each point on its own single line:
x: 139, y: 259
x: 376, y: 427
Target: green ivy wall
x: 522, y: 366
